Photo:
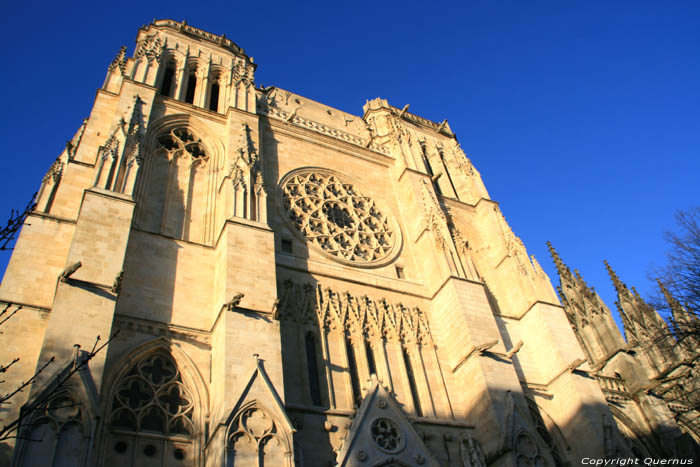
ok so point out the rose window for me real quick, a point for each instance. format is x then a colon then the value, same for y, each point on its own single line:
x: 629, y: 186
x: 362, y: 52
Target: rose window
x: 387, y: 434
x: 334, y: 216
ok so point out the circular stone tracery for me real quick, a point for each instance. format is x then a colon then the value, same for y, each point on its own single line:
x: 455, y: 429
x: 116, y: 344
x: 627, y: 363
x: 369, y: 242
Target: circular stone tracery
x: 387, y: 434
x: 333, y: 215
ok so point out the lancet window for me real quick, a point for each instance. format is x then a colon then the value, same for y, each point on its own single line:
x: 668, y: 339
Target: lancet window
x: 151, y: 416
x: 49, y: 187
x: 168, y: 80
x: 191, y: 86
x: 56, y: 435
x: 352, y: 369
x: 412, y: 383
x: 313, y: 371
x: 371, y: 364
x: 214, y: 95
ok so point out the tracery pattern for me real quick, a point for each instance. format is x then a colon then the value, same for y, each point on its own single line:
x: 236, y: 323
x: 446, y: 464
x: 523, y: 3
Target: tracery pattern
x: 151, y: 397
x: 256, y: 440
x: 387, y: 434
x: 181, y: 142
x: 334, y: 216
x: 527, y: 452
x: 55, y: 433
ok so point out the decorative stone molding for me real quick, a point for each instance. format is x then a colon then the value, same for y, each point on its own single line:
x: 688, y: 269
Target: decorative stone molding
x: 182, y: 143
x: 379, y: 103
x: 514, y: 246
x: 150, y: 48
x: 160, y: 329
x: 221, y: 40
x: 471, y: 452
x: 119, y: 61
x: 323, y: 129
x: 326, y: 308
x: 55, y: 171
x: 246, y: 154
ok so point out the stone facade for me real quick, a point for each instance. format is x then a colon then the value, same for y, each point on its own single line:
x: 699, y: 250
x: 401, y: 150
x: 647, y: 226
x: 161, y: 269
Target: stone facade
x: 292, y: 285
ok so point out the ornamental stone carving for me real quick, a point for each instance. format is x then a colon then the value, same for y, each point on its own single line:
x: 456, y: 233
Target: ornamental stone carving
x: 387, y: 435
x: 182, y: 143
x: 334, y: 217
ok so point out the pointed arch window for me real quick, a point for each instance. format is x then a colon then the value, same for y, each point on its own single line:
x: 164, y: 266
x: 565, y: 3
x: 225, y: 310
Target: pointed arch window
x: 412, y: 383
x: 214, y: 96
x: 352, y: 368
x: 546, y: 434
x: 151, y: 418
x: 191, y: 87
x: 56, y: 434
x: 312, y: 366
x: 168, y: 79
x: 371, y: 364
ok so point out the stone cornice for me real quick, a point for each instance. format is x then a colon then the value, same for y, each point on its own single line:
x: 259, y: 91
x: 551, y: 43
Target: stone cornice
x: 296, y: 122
x: 187, y: 30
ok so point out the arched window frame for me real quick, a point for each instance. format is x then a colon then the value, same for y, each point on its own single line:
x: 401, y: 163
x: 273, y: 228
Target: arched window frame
x: 192, y: 70
x: 214, y: 163
x: 549, y: 433
x: 191, y: 379
x: 49, y: 414
x: 236, y: 428
x: 169, y: 64
x: 216, y: 79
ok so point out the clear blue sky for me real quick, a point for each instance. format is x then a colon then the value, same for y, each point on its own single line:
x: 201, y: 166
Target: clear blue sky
x: 582, y: 117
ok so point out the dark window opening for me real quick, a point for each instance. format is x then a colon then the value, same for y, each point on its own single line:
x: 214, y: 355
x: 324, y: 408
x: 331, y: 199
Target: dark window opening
x: 399, y: 272
x: 429, y: 168
x: 286, y: 245
x: 52, y: 197
x: 214, y: 98
x: 449, y: 177
x: 167, y: 82
x: 312, y: 367
x: 191, y: 86
x: 412, y: 384
x: 371, y: 365
x: 437, y: 187
x: 354, y: 378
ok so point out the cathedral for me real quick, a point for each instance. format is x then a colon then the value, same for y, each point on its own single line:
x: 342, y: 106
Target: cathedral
x: 222, y: 274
